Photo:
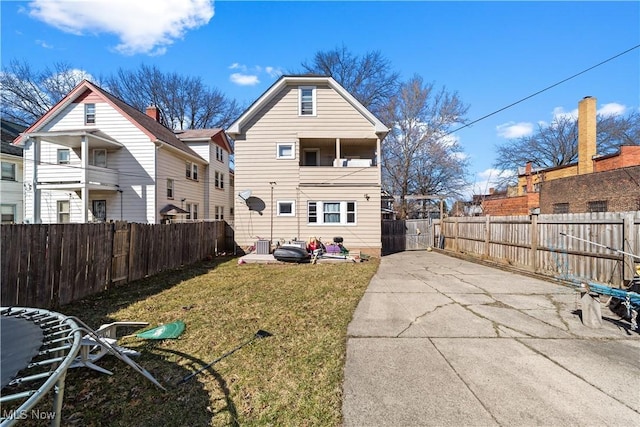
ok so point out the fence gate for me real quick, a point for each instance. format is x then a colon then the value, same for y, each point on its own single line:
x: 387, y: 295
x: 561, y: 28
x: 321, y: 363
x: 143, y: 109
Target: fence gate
x: 406, y: 235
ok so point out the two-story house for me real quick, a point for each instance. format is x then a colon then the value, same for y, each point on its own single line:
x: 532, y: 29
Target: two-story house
x: 307, y: 163
x: 93, y: 157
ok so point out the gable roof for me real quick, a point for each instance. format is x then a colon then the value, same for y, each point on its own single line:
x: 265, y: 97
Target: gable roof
x: 216, y: 135
x: 284, y: 81
x: 10, y: 130
x: 154, y: 130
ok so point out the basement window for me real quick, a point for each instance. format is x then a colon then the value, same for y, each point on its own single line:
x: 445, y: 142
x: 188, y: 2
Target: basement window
x: 560, y: 208
x: 597, y: 206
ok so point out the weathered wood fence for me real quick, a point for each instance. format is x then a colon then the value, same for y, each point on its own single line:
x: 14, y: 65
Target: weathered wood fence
x: 406, y: 235
x: 535, y: 243
x: 48, y: 265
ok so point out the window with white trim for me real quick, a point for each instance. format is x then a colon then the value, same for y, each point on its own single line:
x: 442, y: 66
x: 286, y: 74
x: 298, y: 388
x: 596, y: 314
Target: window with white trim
x: 64, y: 211
x: 194, y: 211
x: 219, y: 212
x: 169, y: 188
x: 219, y: 154
x: 285, y: 150
x: 64, y: 156
x: 89, y: 114
x: 331, y: 212
x: 307, y: 100
x: 8, y: 214
x: 100, y: 157
x: 194, y: 172
x: 187, y: 170
x: 286, y: 208
x: 188, y: 209
x: 219, y: 180
x: 8, y: 171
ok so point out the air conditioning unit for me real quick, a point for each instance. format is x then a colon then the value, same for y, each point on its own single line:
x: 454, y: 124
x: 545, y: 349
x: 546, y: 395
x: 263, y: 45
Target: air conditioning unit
x: 263, y: 247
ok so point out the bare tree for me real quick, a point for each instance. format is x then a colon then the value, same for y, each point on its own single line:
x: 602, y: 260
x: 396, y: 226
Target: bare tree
x: 556, y: 144
x: 26, y: 94
x: 418, y: 155
x: 369, y: 78
x: 184, y: 102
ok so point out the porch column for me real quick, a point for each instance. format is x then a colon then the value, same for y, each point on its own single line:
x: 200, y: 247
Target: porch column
x: 378, y: 162
x: 33, y: 188
x: 84, y: 178
x: 338, y: 148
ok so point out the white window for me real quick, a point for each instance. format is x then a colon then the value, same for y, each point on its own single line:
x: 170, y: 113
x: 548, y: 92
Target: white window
x: 8, y: 214
x: 8, y: 171
x: 331, y: 212
x: 194, y: 211
x: 89, y: 114
x: 285, y: 150
x: 187, y: 169
x: 219, y: 180
x: 188, y: 209
x: 100, y: 157
x: 64, y: 215
x: 307, y: 100
x: 99, y: 210
x: 194, y: 172
x: 219, y: 154
x: 169, y: 189
x: 219, y: 212
x: 63, y: 156
x: 286, y: 208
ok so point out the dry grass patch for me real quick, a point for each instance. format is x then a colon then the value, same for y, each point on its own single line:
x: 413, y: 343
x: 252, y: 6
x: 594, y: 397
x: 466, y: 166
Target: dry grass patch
x: 292, y: 378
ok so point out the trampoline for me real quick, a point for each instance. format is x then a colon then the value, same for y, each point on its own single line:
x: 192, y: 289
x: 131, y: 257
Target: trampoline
x: 38, y: 346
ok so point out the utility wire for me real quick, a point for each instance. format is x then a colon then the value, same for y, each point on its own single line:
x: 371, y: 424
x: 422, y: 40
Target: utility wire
x: 540, y: 91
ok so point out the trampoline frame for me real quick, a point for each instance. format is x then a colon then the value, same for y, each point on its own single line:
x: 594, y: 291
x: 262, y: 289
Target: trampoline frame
x: 62, y: 337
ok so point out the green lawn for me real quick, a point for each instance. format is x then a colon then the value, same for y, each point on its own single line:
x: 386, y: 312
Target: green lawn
x: 291, y: 378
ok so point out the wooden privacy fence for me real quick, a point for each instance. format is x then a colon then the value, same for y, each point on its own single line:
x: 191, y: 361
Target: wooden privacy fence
x: 535, y: 243
x: 406, y: 235
x: 48, y: 265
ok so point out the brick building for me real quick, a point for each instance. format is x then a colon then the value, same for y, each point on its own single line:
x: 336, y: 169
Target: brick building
x: 608, y: 183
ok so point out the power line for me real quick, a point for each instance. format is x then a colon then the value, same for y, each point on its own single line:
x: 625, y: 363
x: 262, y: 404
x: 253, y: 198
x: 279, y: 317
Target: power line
x: 541, y: 91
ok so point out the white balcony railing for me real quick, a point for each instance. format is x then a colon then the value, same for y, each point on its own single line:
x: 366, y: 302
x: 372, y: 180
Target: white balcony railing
x: 73, y: 174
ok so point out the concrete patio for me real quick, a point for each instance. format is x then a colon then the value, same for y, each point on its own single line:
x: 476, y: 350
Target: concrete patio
x: 439, y: 341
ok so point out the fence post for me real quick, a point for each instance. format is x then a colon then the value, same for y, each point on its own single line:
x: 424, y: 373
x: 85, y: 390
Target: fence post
x: 629, y: 235
x: 487, y: 235
x: 533, y: 233
x: 456, y: 233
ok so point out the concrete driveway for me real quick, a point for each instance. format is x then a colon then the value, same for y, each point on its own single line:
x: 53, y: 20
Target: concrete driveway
x: 445, y: 342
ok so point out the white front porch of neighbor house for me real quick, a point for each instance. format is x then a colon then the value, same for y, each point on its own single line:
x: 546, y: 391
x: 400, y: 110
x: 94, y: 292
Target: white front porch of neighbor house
x: 80, y: 167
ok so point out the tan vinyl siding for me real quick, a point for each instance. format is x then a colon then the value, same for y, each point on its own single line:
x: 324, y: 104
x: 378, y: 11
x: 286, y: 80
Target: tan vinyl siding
x: 172, y: 166
x: 256, y: 165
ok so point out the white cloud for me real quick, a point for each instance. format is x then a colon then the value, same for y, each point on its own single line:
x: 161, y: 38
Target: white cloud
x: 612, y: 109
x: 142, y: 26
x: 514, y: 130
x: 485, y: 180
x: 244, y: 79
x: 273, y: 71
x: 44, y: 44
x: 250, y: 75
x: 559, y: 113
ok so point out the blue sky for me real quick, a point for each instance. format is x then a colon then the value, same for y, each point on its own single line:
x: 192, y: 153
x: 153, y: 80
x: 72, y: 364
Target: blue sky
x: 491, y: 53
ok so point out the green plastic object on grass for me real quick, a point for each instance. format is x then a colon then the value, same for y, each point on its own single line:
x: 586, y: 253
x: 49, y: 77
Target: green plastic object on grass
x: 163, y: 332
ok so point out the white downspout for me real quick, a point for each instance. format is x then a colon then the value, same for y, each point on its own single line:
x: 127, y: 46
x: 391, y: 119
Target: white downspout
x: 84, y: 178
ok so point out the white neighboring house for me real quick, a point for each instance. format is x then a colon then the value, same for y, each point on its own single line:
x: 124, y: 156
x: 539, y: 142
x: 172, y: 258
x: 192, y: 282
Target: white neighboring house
x: 93, y: 157
x: 11, y: 185
x: 307, y: 163
x: 213, y: 146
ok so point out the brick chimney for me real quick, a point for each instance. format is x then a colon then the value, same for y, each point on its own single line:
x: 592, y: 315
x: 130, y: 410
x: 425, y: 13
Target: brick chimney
x: 586, y: 134
x: 153, y: 112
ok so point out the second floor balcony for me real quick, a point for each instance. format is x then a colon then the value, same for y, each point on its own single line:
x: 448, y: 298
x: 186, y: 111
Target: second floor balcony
x: 72, y: 176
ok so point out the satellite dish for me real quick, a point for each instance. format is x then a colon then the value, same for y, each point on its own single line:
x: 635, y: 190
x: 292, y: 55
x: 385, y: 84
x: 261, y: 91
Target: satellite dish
x: 244, y: 195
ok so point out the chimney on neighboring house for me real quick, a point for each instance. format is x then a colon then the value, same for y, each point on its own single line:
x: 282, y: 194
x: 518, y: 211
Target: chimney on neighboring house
x: 586, y: 134
x: 153, y: 112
